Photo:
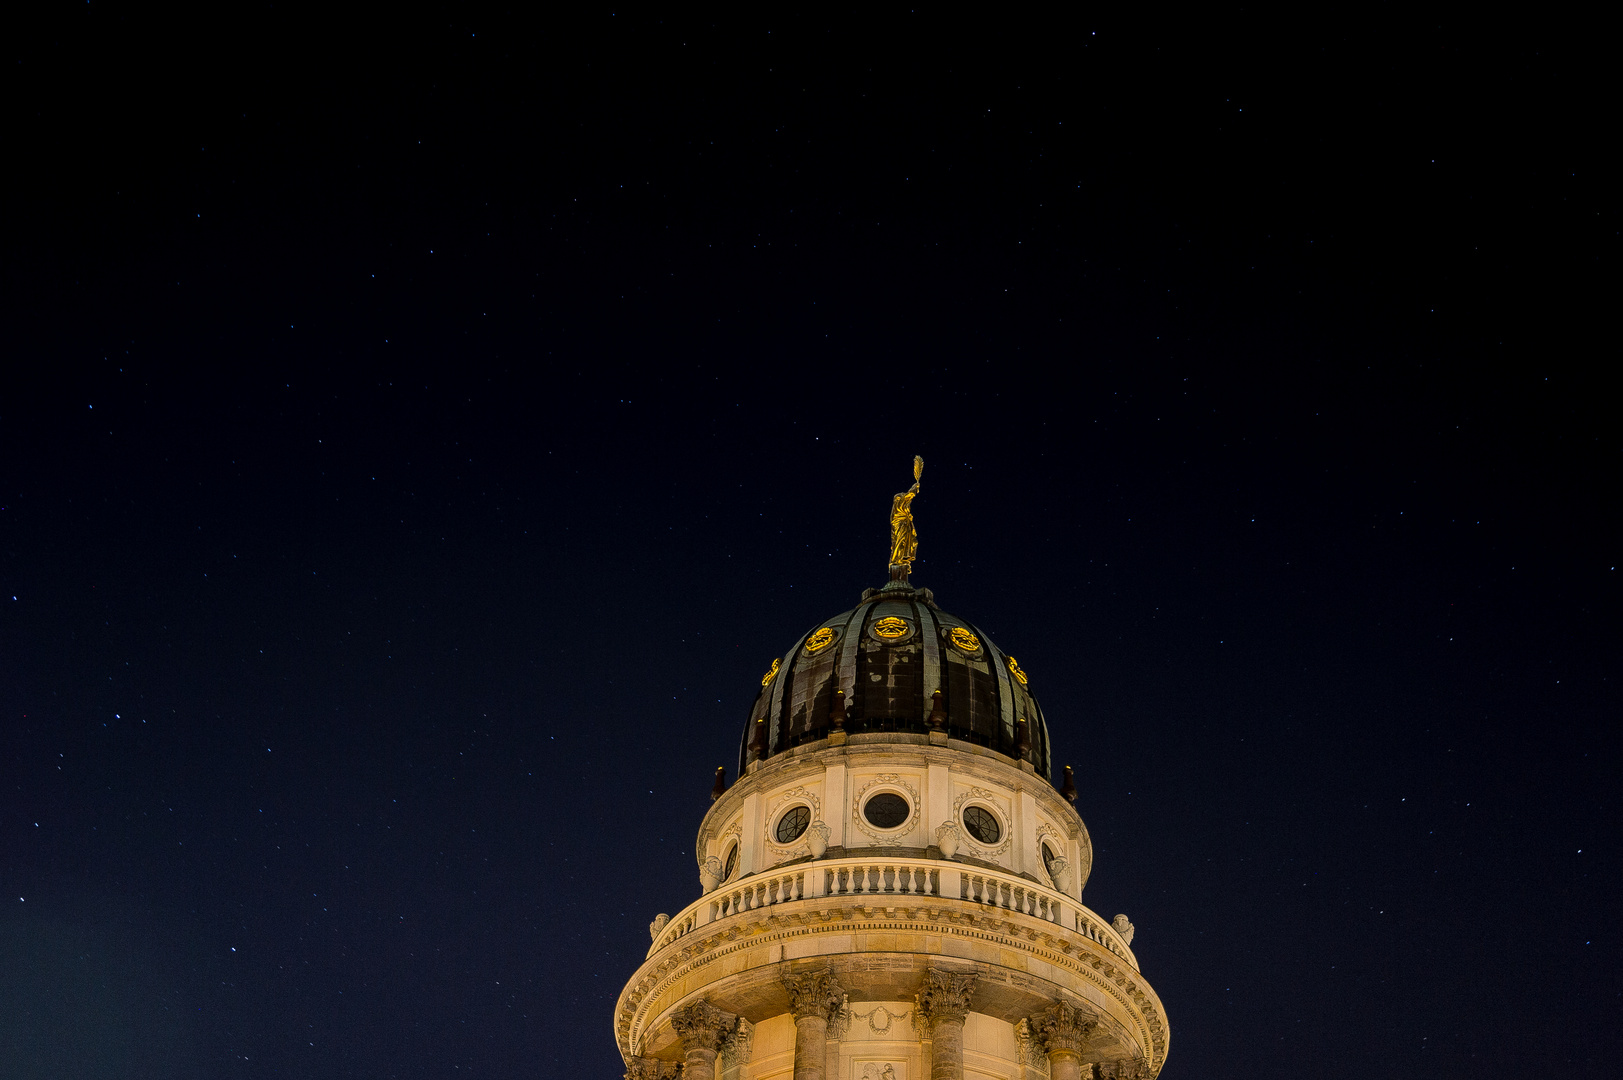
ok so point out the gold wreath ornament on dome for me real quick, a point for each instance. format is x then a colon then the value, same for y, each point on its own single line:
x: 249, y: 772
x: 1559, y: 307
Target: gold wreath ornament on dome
x: 964, y: 639
x: 890, y: 627
x: 820, y: 640
x: 766, y: 680
x: 1014, y: 669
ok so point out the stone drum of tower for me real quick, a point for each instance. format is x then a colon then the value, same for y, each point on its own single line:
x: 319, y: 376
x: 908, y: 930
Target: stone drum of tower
x: 893, y: 888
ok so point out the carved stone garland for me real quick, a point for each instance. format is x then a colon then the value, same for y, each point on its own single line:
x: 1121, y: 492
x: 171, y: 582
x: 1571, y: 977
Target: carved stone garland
x: 891, y: 837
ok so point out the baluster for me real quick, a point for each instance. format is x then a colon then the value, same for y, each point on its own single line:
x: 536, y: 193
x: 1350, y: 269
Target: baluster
x: 888, y: 874
x: 873, y: 879
x: 934, y: 882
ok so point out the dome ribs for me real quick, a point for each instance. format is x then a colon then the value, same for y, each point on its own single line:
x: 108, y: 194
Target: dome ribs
x: 908, y: 680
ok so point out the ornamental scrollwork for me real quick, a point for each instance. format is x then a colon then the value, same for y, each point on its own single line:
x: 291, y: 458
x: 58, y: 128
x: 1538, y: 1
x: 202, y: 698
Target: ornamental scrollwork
x: 820, y: 640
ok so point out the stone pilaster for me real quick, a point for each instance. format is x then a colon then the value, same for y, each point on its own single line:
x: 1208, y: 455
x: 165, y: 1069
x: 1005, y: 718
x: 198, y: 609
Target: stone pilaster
x: 942, y: 1003
x: 1062, y: 1032
x: 815, y: 998
x: 736, y: 1047
x: 701, y: 1027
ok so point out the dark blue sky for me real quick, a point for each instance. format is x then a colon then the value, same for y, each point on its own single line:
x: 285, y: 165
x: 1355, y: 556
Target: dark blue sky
x: 417, y: 438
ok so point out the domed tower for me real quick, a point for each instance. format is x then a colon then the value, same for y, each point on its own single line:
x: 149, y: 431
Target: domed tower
x: 893, y: 888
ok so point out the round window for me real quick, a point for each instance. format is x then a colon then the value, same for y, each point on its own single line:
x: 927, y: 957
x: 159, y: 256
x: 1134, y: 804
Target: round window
x: 792, y: 824
x: 981, y: 824
x: 886, y: 810
x: 1048, y: 859
x: 732, y: 863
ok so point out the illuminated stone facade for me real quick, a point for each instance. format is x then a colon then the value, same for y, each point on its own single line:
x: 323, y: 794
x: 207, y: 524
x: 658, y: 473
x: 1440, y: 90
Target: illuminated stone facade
x: 893, y: 888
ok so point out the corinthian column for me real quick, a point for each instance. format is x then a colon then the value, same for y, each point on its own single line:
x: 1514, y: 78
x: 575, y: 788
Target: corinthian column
x: 701, y: 1027
x: 943, y: 1002
x: 814, y: 998
x: 1061, y: 1031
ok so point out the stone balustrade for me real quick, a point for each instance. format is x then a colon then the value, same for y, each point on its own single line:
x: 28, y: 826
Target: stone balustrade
x: 895, y: 879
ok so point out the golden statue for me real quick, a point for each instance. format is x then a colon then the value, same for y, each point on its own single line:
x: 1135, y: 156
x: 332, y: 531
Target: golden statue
x: 904, y: 540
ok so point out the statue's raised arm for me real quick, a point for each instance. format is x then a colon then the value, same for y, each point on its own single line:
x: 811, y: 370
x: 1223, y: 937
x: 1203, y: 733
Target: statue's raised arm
x: 904, y: 539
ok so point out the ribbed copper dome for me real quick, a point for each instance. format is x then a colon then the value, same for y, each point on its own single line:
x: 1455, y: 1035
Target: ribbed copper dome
x: 890, y: 654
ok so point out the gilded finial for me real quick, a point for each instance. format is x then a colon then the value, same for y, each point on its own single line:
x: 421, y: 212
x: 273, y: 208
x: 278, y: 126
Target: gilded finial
x: 904, y: 539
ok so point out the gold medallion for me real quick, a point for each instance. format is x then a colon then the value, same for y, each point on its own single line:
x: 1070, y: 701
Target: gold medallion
x: 766, y: 680
x: 820, y: 640
x: 1014, y: 669
x: 964, y: 639
x: 890, y: 627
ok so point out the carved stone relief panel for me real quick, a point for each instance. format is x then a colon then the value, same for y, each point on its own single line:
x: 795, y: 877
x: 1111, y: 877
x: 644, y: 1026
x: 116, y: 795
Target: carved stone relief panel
x: 879, y: 1068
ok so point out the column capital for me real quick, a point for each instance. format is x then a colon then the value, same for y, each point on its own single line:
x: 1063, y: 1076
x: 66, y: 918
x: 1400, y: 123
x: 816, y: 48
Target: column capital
x: 701, y: 1026
x: 738, y: 1044
x: 945, y: 994
x: 1124, y: 1069
x: 641, y: 1068
x: 814, y: 993
x: 1062, y: 1027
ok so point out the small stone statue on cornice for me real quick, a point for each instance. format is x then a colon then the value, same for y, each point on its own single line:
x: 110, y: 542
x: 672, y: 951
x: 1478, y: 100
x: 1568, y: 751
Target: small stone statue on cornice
x: 657, y: 925
x: 1123, y: 927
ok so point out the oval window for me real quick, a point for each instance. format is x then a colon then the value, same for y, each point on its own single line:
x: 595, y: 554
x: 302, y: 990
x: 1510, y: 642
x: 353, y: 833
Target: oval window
x: 1048, y: 859
x: 792, y: 824
x: 982, y: 825
x: 886, y: 810
x: 732, y: 864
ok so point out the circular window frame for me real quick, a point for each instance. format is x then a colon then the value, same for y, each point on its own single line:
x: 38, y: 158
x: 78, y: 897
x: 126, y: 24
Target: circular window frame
x: 777, y: 819
x: 986, y: 800
x: 997, y: 819
x: 731, y: 857
x: 907, y: 819
x: 896, y: 784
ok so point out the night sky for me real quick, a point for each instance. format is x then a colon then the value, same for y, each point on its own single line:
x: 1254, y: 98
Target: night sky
x: 418, y: 435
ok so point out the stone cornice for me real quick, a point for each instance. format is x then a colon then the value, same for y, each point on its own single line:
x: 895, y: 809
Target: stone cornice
x: 1074, y: 954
